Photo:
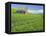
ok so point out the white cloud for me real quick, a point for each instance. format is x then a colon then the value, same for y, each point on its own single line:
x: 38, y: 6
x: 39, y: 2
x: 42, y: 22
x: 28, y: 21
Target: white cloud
x: 35, y: 11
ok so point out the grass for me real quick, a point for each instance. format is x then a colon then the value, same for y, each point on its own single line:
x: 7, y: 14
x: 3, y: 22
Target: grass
x: 26, y: 22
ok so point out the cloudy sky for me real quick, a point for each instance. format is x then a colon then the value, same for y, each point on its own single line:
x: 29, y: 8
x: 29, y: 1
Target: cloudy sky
x: 31, y: 8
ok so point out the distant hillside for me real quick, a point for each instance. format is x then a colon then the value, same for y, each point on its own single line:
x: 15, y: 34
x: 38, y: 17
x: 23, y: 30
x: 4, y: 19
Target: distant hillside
x: 13, y: 10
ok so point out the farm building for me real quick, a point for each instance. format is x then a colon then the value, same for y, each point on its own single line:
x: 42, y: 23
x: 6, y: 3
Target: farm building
x: 21, y: 10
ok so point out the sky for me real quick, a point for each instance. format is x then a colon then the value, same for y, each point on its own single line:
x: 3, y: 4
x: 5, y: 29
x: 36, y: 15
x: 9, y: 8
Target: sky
x: 31, y: 8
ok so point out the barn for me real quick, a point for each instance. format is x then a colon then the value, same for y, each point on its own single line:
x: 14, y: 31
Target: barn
x: 21, y: 10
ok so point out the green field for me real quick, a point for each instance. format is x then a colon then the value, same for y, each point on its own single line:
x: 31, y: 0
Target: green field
x: 26, y: 22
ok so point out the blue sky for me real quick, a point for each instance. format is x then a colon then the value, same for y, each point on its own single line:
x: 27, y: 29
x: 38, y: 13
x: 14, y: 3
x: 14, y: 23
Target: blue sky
x: 32, y: 8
